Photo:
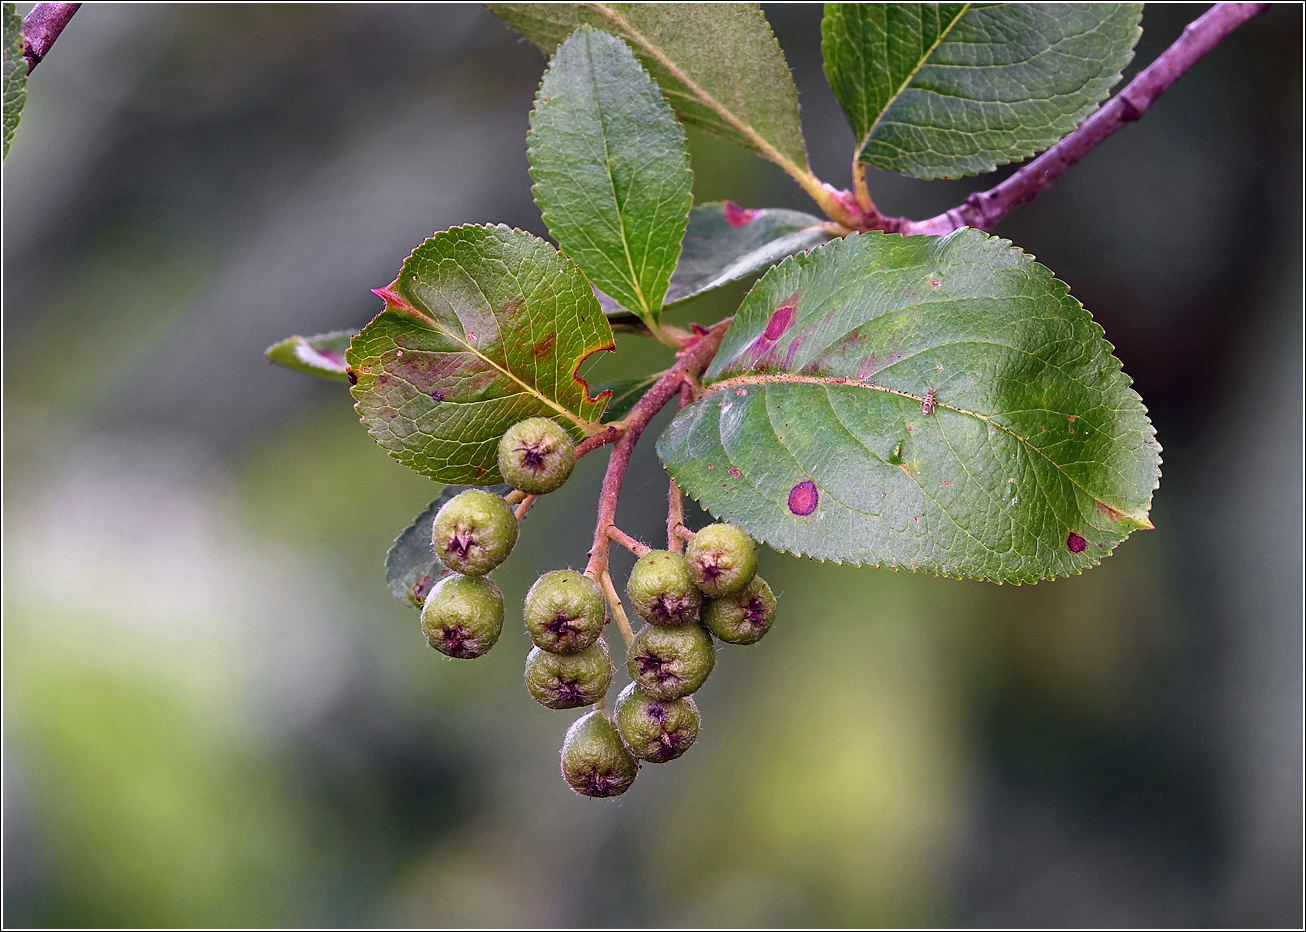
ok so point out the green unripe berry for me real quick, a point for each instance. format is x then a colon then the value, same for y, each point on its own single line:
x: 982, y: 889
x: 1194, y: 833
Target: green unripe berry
x: 662, y: 589
x: 741, y: 617
x: 594, y: 761
x: 462, y: 616
x: 536, y: 455
x: 474, y: 532
x: 656, y: 730
x: 568, y: 681
x: 722, y: 559
x: 564, y: 612
x: 668, y: 663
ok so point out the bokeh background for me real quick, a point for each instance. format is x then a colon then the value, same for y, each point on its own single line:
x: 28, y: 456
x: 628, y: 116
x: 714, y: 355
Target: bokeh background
x: 215, y: 714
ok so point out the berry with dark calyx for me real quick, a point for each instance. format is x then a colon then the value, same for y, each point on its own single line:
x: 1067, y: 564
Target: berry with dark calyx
x: 564, y: 612
x: 462, y: 616
x: 594, y: 761
x: 474, y: 532
x: 668, y: 663
x: 741, y: 617
x: 656, y: 730
x: 536, y: 455
x: 722, y: 559
x: 662, y: 589
x: 569, y: 681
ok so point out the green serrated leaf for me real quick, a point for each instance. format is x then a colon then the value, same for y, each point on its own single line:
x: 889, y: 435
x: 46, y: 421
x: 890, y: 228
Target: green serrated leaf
x: 936, y: 404
x: 485, y: 326
x: 611, y: 170
x: 15, y: 74
x: 718, y: 63
x: 725, y: 242
x: 951, y: 89
x: 411, y: 566
x: 322, y: 355
x: 625, y: 394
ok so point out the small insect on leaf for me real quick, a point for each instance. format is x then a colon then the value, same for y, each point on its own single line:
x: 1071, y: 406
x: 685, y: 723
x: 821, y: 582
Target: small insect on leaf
x: 927, y: 406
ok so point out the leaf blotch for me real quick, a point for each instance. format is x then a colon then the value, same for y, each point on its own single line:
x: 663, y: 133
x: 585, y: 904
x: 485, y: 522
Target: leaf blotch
x: 1108, y: 512
x: 803, y: 498
x: 781, y: 319
x: 543, y: 347
x: 1075, y: 543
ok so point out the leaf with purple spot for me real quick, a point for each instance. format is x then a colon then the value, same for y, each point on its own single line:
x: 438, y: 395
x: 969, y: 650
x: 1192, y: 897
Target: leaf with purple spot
x: 1033, y: 457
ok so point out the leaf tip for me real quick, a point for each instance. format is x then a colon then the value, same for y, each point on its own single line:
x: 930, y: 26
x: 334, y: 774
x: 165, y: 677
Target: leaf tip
x: 390, y: 296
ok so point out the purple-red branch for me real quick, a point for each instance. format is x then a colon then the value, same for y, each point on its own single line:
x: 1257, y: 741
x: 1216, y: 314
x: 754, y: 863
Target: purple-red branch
x: 41, y: 27
x: 983, y: 209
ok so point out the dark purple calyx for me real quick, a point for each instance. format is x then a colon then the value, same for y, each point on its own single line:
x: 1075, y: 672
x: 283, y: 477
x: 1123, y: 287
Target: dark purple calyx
x: 460, y: 543
x: 652, y: 664
x: 560, y: 625
x: 671, y: 608
x: 455, y: 638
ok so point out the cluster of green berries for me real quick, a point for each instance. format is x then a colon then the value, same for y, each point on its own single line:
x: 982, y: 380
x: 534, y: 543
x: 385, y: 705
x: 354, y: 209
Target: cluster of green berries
x: 710, y: 591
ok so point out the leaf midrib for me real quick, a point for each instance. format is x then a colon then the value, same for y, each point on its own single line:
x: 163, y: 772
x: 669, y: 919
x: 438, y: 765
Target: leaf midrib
x: 646, y: 312
x: 763, y: 146
x: 861, y: 145
x: 826, y: 381
x: 423, y: 315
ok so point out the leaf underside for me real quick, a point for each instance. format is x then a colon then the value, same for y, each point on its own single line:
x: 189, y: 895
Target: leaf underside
x: 411, y: 566
x: 15, y: 74
x: 322, y: 355
x: 951, y: 89
x: 718, y: 63
x: 1036, y: 459
x: 611, y: 169
x: 485, y: 326
x: 725, y: 242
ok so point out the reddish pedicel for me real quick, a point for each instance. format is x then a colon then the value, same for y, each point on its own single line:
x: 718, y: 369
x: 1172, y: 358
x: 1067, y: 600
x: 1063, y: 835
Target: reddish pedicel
x: 1076, y: 543
x: 738, y: 216
x: 804, y: 496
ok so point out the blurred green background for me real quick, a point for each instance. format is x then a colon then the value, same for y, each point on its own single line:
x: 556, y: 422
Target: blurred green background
x: 215, y: 714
